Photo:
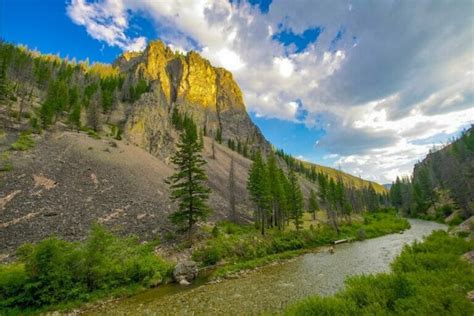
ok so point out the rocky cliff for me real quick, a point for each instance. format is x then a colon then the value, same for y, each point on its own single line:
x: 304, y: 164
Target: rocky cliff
x: 190, y: 83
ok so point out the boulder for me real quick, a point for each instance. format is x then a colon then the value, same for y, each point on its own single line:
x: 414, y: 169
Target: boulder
x: 185, y: 271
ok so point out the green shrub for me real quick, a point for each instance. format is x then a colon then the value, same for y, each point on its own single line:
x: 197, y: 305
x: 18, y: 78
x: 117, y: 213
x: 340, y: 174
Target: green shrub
x: 456, y: 220
x: 24, y: 142
x: 207, y: 255
x: 331, y: 306
x: 56, y: 271
x: 5, y: 162
x: 93, y: 134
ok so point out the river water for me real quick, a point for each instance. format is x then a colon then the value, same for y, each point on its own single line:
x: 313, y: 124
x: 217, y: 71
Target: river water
x: 271, y: 288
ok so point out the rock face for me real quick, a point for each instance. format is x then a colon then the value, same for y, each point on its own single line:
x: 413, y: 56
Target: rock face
x: 190, y: 83
x: 185, y: 272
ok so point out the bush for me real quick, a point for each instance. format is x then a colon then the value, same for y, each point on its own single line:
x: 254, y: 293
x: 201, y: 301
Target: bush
x: 456, y: 220
x: 208, y: 255
x: 56, y: 271
x: 5, y: 162
x: 24, y: 142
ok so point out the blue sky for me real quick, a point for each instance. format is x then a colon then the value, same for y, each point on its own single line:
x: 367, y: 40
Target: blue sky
x: 361, y: 85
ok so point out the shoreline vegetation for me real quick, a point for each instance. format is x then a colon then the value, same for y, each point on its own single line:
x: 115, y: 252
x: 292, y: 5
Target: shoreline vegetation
x: 427, y: 278
x: 59, y: 275
x: 234, y: 248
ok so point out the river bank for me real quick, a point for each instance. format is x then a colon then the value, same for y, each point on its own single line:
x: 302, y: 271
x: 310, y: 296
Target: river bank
x: 433, y: 277
x: 115, y: 267
x: 273, y: 287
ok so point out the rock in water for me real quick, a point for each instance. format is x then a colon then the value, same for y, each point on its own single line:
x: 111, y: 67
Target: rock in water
x: 185, y: 271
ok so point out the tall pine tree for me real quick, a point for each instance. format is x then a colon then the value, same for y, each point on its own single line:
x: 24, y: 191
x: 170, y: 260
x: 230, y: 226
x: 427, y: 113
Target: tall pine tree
x: 295, y: 199
x: 313, y: 204
x: 187, y: 184
x: 259, y: 190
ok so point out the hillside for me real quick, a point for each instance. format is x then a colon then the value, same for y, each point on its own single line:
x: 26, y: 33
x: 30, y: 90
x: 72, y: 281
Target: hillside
x: 442, y: 185
x: 103, y: 136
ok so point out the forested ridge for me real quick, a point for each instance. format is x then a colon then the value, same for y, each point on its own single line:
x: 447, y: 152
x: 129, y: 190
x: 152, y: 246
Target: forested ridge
x: 442, y: 184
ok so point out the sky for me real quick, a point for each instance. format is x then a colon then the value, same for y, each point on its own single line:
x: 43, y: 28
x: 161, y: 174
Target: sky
x: 367, y: 86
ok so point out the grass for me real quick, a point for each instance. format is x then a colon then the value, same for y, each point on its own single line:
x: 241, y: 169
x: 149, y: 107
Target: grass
x: 236, y: 247
x: 428, y: 278
x: 24, y: 142
x: 56, y: 274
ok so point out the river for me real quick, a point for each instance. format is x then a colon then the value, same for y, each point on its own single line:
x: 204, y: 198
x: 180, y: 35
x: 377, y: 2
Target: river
x: 271, y: 288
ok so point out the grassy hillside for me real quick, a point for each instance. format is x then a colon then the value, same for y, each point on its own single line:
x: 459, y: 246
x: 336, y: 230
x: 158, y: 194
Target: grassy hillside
x: 346, y: 177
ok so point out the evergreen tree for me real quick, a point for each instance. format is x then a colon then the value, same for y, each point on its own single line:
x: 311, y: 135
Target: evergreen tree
x: 396, y: 193
x: 313, y: 204
x: 276, y: 191
x: 372, y: 199
x: 3, y: 81
x: 284, y: 197
x: 213, y: 148
x: 295, y: 199
x: 233, y: 214
x: 259, y: 190
x: 331, y: 196
x: 188, y: 183
x: 93, y: 113
x: 75, y: 107
x: 219, y: 136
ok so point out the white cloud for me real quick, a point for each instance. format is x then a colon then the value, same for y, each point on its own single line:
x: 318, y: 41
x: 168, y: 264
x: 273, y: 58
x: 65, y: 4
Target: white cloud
x: 398, y: 79
x: 105, y: 21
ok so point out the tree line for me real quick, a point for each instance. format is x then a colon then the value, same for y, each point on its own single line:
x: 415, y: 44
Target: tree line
x: 448, y: 170
x: 65, y: 88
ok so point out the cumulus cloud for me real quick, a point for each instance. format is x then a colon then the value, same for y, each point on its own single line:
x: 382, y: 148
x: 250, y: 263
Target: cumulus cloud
x: 105, y: 21
x: 379, y: 77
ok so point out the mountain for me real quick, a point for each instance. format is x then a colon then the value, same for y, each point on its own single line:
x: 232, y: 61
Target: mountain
x: 102, y: 138
x: 192, y: 85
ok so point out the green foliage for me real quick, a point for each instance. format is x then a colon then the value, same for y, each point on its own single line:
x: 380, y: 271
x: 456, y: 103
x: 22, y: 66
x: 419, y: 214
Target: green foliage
x: 456, y: 220
x: 449, y: 170
x: 187, y: 184
x: 5, y: 162
x: 428, y: 278
x: 3, y: 81
x: 313, y: 203
x: 259, y: 189
x: 219, y: 136
x: 137, y: 90
x: 108, y: 85
x: 56, y: 271
x: 295, y: 199
x: 24, y: 142
x: 57, y: 100
x: 208, y: 256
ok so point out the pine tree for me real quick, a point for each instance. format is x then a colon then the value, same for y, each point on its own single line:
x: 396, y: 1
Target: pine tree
x: 93, y: 113
x: 331, y: 197
x: 233, y: 214
x: 372, y: 199
x: 313, y: 204
x: 259, y: 190
x: 276, y: 191
x: 188, y: 183
x: 285, y: 185
x: 219, y: 136
x: 396, y: 193
x: 3, y: 81
x: 295, y: 199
